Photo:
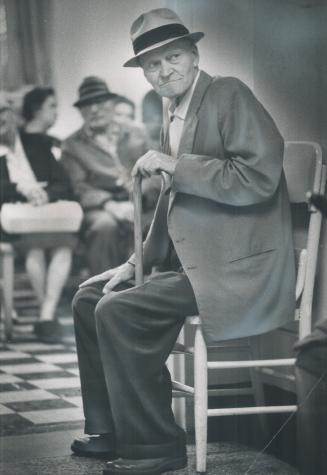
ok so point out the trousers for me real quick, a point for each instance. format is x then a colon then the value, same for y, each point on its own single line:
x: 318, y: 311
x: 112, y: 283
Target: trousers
x: 123, y: 341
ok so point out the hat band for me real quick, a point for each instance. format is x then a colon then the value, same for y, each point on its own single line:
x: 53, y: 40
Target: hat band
x: 157, y: 35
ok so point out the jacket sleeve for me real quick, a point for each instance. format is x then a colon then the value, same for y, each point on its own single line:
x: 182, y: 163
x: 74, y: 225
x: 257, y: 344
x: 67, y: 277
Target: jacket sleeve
x: 88, y: 196
x: 250, y: 170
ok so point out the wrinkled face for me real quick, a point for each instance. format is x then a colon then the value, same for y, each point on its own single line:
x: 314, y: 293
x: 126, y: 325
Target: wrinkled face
x: 123, y: 113
x: 48, y: 112
x: 171, y: 69
x: 98, y: 114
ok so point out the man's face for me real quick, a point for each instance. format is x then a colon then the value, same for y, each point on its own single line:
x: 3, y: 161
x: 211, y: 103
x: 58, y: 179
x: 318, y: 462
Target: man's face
x: 98, y: 114
x: 123, y: 113
x: 172, y: 68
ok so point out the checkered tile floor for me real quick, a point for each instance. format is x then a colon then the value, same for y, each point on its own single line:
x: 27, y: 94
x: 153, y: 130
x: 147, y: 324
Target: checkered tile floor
x: 39, y: 383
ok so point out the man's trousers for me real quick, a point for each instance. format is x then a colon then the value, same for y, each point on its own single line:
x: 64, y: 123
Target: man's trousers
x: 123, y: 341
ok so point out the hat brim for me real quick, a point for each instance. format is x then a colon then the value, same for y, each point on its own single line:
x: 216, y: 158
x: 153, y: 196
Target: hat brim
x: 89, y: 99
x: 134, y: 62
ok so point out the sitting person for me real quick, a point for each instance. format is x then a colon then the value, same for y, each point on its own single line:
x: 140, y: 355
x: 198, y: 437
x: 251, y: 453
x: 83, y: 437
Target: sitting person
x: 222, y: 234
x: 30, y: 172
x: 101, y: 180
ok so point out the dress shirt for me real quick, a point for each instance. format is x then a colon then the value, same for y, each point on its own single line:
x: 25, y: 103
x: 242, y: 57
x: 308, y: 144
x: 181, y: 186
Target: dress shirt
x: 177, y: 111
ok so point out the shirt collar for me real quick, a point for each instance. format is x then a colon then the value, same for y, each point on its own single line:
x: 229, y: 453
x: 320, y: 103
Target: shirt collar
x: 181, y: 109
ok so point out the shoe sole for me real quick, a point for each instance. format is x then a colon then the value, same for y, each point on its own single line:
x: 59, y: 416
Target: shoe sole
x: 89, y: 454
x: 171, y: 465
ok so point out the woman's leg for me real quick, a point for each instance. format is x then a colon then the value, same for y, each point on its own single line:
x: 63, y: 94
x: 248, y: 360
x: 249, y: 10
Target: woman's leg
x: 35, y: 264
x: 58, y: 272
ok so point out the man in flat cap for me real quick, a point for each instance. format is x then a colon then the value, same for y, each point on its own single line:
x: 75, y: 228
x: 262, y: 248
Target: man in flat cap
x: 221, y: 234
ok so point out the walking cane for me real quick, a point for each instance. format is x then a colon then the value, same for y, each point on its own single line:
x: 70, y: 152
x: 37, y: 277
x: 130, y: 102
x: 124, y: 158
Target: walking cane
x: 138, y: 241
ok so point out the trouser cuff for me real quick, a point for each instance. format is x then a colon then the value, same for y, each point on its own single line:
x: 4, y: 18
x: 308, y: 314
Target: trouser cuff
x: 175, y: 448
x: 96, y: 429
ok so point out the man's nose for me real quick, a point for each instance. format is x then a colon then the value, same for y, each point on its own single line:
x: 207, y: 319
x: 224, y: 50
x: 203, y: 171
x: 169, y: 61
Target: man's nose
x: 165, y: 69
x: 94, y: 107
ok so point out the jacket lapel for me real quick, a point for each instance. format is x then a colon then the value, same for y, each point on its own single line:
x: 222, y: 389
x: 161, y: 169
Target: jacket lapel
x: 191, y: 120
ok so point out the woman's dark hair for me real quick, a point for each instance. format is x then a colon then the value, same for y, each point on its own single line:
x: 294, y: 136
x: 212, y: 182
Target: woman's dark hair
x: 33, y: 101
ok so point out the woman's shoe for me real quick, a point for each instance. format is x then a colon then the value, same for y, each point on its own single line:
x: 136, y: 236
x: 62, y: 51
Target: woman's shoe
x: 48, y: 331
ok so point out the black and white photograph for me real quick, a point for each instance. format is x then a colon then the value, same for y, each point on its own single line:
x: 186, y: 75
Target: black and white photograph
x: 163, y: 248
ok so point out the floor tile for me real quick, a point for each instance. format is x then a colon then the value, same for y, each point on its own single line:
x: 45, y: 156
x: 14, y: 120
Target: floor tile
x: 29, y: 395
x: 18, y: 386
x: 47, y: 404
x: 9, y: 378
x: 69, y: 366
x: 18, y: 361
x: 34, y: 346
x: 29, y: 368
x: 13, y: 424
x: 74, y: 371
x: 53, y: 374
x: 56, y: 383
x: 6, y: 410
x: 58, y: 358
x: 53, y: 415
x: 66, y: 392
x: 11, y: 355
x: 76, y: 400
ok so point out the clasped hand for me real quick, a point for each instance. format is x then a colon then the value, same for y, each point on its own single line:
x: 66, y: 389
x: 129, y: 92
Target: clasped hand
x: 153, y: 163
x: 34, y: 192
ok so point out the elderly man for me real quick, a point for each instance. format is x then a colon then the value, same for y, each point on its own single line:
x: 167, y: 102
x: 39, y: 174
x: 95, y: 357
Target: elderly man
x: 222, y: 234
x: 99, y: 179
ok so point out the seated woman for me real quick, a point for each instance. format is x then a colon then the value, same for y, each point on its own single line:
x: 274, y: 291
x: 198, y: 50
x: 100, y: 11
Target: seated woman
x: 30, y: 172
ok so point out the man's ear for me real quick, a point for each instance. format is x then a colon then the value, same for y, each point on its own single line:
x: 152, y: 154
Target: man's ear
x: 195, y: 52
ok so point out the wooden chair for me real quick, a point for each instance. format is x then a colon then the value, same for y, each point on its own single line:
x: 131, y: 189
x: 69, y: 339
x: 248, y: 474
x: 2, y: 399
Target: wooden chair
x: 304, y: 172
x: 6, y: 286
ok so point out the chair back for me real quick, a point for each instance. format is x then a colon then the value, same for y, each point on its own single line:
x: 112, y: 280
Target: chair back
x: 304, y: 171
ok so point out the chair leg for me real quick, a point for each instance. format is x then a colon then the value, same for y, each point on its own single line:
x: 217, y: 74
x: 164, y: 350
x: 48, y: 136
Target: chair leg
x: 257, y: 386
x: 8, y: 285
x: 176, y: 366
x: 200, y: 400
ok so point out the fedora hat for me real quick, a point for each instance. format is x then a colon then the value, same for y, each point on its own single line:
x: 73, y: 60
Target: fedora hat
x: 91, y: 90
x: 154, y: 29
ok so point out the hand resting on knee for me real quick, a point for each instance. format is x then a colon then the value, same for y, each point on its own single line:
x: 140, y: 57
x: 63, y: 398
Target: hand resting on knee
x: 115, y: 276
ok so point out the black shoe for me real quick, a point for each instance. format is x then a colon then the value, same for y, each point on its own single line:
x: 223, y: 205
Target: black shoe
x: 145, y: 466
x: 99, y: 446
x: 49, y: 331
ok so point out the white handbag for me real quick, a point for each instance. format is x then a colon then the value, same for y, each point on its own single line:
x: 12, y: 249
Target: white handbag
x: 61, y: 216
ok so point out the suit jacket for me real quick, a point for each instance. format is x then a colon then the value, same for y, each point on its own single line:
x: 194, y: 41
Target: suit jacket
x: 228, y: 213
x: 94, y: 172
